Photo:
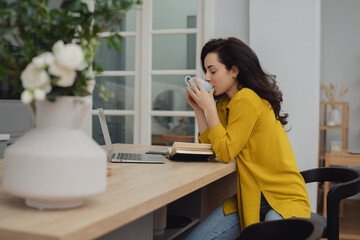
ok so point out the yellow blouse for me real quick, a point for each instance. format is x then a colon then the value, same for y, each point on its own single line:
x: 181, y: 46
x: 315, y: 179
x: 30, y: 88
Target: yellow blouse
x: 250, y: 133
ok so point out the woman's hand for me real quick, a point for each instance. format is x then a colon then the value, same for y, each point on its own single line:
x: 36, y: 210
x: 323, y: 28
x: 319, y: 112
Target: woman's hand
x: 192, y: 102
x: 203, y: 104
x: 200, y: 99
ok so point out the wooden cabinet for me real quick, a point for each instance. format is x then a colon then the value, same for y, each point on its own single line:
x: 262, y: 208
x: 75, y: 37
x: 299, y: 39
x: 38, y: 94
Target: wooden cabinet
x: 324, y: 144
x: 325, y: 108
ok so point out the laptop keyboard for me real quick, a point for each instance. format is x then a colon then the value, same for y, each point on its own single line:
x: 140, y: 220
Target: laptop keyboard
x: 126, y: 156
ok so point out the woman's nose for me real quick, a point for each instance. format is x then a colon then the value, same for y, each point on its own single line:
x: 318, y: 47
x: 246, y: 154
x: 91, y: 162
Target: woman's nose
x: 207, y: 78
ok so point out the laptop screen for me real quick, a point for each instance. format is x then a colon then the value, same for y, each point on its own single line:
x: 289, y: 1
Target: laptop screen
x: 105, y: 132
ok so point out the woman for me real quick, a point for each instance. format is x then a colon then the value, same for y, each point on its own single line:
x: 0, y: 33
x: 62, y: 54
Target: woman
x: 245, y: 124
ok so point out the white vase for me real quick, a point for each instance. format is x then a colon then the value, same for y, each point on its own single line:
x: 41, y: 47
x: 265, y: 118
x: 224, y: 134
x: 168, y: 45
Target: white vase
x: 334, y: 118
x: 56, y: 165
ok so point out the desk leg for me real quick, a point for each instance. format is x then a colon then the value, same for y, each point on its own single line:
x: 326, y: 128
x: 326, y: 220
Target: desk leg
x: 159, y: 220
x: 326, y: 190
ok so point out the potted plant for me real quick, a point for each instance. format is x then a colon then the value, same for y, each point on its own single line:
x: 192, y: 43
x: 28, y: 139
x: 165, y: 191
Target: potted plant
x: 48, y: 55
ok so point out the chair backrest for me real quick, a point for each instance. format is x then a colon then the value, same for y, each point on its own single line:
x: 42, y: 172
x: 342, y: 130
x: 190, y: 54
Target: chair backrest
x: 348, y: 180
x: 170, y: 139
x: 293, y: 228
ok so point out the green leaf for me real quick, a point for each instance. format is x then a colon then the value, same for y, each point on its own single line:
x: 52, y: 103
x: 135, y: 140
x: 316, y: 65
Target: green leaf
x: 74, y: 6
x: 118, y: 37
x: 29, y: 28
x: 97, y: 69
x: 116, y: 45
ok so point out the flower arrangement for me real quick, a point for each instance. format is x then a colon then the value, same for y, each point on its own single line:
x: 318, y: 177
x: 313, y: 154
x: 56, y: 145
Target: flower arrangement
x: 332, y: 94
x: 45, y: 53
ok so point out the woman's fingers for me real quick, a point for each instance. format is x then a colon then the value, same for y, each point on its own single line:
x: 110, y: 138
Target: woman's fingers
x: 191, y: 101
x: 212, y: 92
x: 195, y: 97
x: 188, y: 97
x: 191, y: 93
x: 200, y: 86
x: 200, y: 98
x: 196, y: 89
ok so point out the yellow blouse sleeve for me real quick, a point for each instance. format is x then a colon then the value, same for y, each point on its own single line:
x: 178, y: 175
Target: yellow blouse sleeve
x: 203, y: 138
x: 227, y: 142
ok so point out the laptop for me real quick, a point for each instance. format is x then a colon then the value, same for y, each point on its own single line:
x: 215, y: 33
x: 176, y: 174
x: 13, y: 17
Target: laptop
x: 119, y: 157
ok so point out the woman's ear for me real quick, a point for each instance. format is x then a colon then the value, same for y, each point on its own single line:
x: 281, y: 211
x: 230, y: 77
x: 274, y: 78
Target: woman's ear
x: 234, y: 71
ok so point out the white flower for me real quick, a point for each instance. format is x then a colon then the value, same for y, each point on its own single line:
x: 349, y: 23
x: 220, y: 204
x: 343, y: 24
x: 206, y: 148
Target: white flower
x: 48, y: 57
x: 58, y: 46
x: 39, y: 94
x: 82, y: 67
x: 47, y: 88
x: 43, y: 60
x: 38, y: 62
x: 90, y: 85
x: 67, y: 76
x: 26, y: 97
x: 70, y: 56
x: 33, y: 77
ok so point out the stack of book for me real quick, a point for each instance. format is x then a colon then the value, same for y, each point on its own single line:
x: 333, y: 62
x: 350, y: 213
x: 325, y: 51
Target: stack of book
x: 184, y: 151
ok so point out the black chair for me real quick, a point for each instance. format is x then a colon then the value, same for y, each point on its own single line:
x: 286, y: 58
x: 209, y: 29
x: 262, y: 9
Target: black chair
x: 286, y: 229
x: 348, y: 180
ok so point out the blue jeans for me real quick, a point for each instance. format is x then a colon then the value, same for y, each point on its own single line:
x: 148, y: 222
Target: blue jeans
x: 217, y: 226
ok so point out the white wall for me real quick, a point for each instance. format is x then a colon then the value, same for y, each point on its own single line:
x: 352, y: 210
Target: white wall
x: 286, y: 37
x: 341, y: 58
x: 231, y: 19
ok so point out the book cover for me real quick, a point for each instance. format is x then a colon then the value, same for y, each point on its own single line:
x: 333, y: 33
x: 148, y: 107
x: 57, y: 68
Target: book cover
x: 183, y: 151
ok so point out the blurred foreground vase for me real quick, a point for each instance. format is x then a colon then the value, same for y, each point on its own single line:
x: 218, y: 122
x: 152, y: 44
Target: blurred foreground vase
x: 56, y: 165
x: 334, y: 118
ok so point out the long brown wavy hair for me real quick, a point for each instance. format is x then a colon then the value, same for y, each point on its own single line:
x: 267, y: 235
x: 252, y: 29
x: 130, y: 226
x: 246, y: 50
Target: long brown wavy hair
x: 233, y: 52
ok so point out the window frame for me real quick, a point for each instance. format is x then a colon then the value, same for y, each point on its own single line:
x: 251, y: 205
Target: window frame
x: 143, y: 72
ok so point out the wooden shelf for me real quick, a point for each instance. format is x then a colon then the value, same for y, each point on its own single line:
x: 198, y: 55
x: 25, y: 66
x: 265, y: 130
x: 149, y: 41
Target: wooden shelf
x: 330, y: 128
x: 325, y: 107
x: 324, y: 154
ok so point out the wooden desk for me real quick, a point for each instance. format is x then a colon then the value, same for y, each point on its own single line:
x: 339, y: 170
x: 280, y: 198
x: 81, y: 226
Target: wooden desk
x: 133, y: 191
x: 340, y: 159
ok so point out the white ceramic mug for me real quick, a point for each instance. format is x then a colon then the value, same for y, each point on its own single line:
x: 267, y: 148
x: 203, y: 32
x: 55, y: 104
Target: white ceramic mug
x: 205, y: 84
